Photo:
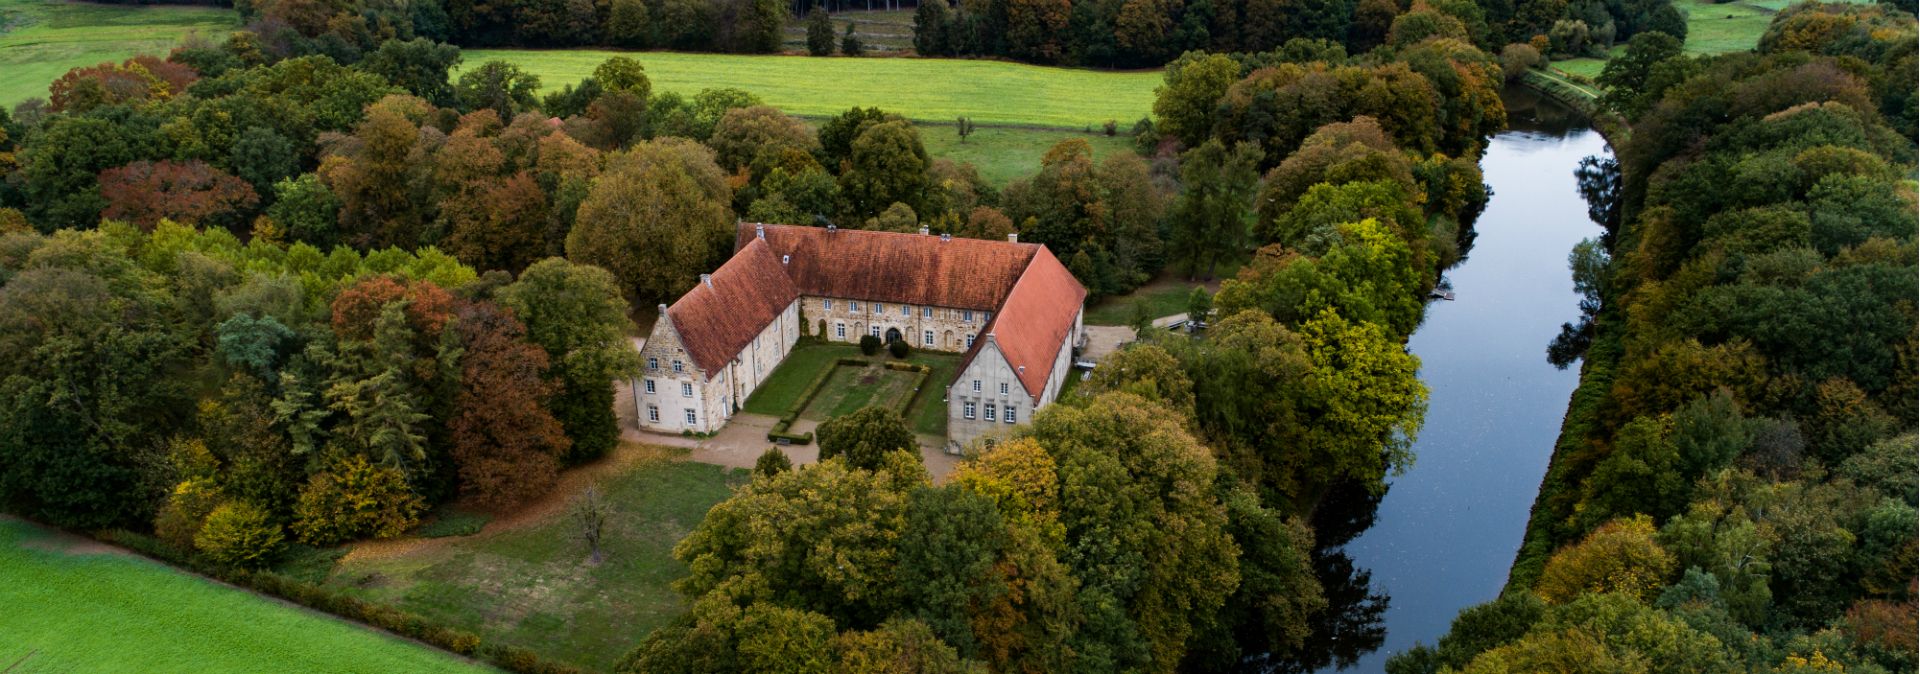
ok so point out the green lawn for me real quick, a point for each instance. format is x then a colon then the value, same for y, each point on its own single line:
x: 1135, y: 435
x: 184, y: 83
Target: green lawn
x: 1711, y: 29
x: 40, y: 40
x: 991, y: 92
x: 1003, y: 154
x: 67, y: 608
x: 847, y: 389
x: 532, y: 586
x: 1164, y: 296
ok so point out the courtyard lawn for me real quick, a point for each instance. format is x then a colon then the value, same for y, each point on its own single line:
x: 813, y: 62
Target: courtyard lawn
x: 850, y: 388
x: 70, y: 605
x: 938, y: 90
x: 528, y: 583
x: 40, y: 40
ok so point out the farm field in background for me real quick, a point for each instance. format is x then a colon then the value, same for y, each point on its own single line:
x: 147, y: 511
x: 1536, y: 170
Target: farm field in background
x: 1712, y: 28
x: 1003, y: 153
x: 935, y: 90
x: 101, y: 609
x: 40, y: 40
x: 525, y: 579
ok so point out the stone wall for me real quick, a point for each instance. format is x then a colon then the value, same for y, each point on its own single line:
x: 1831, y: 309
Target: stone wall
x: 998, y: 386
x: 844, y: 322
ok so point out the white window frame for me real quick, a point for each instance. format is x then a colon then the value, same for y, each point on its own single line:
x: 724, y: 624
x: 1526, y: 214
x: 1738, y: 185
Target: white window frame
x: 906, y: 310
x: 1009, y: 415
x: 853, y: 307
x: 967, y: 409
x: 926, y: 312
x: 679, y: 366
x: 873, y: 329
x: 990, y: 414
x: 966, y: 315
x: 927, y: 336
x: 686, y: 390
x: 826, y: 305
x: 1003, y: 388
x: 840, y: 331
x: 976, y: 386
x: 653, y: 413
x: 653, y: 362
x: 693, y: 418
x: 650, y: 387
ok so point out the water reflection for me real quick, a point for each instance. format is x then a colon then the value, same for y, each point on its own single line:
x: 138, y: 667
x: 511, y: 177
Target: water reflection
x: 1444, y: 537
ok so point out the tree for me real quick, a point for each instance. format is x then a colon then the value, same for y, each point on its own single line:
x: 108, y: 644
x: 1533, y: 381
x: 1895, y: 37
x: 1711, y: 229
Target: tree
x: 1620, y: 556
x: 506, y: 446
x: 1148, y: 371
x: 1199, y: 304
x: 1213, y: 214
x: 590, y: 514
x: 143, y: 192
x: 754, y: 135
x: 1625, y: 76
x: 819, y: 32
x: 850, y: 45
x: 865, y: 437
x: 772, y: 462
x: 963, y: 126
x: 240, y: 534
x: 499, y: 86
x: 886, y: 163
x: 59, y: 171
x: 657, y: 218
x: 577, y: 315
x: 419, y: 65
x: 628, y: 24
x: 353, y: 498
x: 305, y: 210
x: 933, y: 28
x: 625, y: 74
x: 1183, y: 106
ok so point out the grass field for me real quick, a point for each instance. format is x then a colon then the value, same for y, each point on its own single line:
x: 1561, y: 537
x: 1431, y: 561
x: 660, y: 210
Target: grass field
x: 1164, y: 296
x: 1003, y: 154
x: 845, y: 390
x: 1711, y: 29
x: 68, y: 605
x: 40, y: 40
x: 530, y: 584
x: 939, y: 90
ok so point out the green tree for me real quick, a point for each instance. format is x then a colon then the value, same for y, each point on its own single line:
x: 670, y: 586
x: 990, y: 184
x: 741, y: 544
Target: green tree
x: 1183, y: 106
x: 886, y: 163
x: 499, y: 86
x: 865, y: 437
x: 657, y: 218
x: 306, y: 210
x: 819, y: 32
x: 1214, y: 212
x: 577, y: 314
x: 419, y: 65
x: 1624, y: 78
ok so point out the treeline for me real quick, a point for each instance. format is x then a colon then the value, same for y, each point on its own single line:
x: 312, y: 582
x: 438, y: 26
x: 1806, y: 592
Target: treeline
x: 239, y: 395
x: 1734, y: 488
x: 1139, y: 33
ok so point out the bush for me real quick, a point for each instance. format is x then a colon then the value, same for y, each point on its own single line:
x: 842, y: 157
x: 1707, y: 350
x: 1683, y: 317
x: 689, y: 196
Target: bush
x: 240, y: 534
x: 1620, y: 556
x: 185, y: 510
x: 850, y: 45
x: 899, y: 348
x: 869, y: 344
x: 355, y: 499
x: 772, y: 462
x: 1516, y: 59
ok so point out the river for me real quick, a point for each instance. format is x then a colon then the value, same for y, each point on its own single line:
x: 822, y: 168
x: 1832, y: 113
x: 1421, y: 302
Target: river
x: 1446, y: 532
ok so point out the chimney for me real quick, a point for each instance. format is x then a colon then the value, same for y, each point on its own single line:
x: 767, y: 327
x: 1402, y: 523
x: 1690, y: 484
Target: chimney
x: 831, y: 229
x: 946, y: 237
x: 759, y: 231
x: 663, y: 309
x: 923, y: 230
x: 1013, y: 237
x: 707, y: 279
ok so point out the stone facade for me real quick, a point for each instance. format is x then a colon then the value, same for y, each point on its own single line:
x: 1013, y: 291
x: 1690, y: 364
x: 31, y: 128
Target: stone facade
x: 924, y: 327
x: 670, y: 385
x: 989, y: 389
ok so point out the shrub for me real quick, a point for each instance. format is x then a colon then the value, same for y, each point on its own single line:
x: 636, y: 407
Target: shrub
x: 355, y: 499
x: 850, y: 45
x: 1111, y: 128
x: 899, y: 348
x: 1516, y: 59
x: 240, y: 534
x: 185, y: 510
x: 869, y: 344
x: 772, y: 462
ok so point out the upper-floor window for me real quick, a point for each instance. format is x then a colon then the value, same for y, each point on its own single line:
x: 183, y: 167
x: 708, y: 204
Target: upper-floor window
x: 653, y: 363
x: 686, y: 390
x: 1003, y: 388
x: 966, y: 410
x: 678, y: 367
x: 650, y: 386
x: 926, y: 312
x: 879, y: 308
x: 986, y: 316
x: 966, y: 315
x: 853, y: 307
x: 976, y: 386
x: 826, y: 305
x: 906, y: 310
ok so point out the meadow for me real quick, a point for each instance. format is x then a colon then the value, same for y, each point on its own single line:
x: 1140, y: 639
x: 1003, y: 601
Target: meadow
x: 526, y: 579
x: 937, y: 90
x: 40, y: 40
x: 77, y: 606
x: 1712, y: 28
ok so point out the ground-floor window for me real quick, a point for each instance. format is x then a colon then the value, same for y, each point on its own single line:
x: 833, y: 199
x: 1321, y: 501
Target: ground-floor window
x: 873, y: 330
x: 691, y: 419
x: 839, y: 331
x: 969, y: 341
x: 1011, y: 414
x: 966, y: 410
x: 653, y: 413
x: 927, y: 338
x: 990, y: 412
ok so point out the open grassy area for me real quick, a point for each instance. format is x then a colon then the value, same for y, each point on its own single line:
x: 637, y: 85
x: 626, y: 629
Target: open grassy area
x: 1004, y: 154
x: 991, y: 92
x: 530, y: 584
x: 68, y: 605
x: 1712, y: 28
x: 848, y: 390
x: 1164, y: 296
x: 40, y: 40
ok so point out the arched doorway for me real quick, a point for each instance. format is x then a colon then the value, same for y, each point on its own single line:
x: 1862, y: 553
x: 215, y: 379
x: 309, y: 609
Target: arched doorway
x: 893, y: 335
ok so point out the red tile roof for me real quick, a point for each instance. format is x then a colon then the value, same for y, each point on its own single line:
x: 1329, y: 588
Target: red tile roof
x: 748, y: 292
x: 893, y: 267
x: 1037, y: 317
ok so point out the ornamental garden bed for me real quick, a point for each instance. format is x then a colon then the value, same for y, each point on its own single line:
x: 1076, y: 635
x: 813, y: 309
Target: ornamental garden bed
x: 820, y: 381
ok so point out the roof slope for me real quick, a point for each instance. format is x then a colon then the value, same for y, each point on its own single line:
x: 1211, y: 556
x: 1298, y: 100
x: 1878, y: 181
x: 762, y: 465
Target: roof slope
x: 894, y: 267
x: 748, y: 292
x: 1036, y: 319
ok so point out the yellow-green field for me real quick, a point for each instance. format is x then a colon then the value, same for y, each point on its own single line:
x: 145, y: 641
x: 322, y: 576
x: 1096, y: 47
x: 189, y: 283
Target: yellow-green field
x: 40, y: 40
x: 991, y: 92
x: 70, y: 605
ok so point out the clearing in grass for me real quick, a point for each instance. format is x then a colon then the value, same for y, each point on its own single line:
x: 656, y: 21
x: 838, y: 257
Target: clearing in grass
x: 935, y: 90
x: 40, y: 40
x: 71, y: 605
x: 526, y: 579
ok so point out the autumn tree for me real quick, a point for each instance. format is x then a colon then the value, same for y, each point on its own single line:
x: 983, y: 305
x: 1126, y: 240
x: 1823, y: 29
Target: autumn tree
x: 143, y: 192
x: 658, y: 217
x: 576, y: 313
x: 506, y: 445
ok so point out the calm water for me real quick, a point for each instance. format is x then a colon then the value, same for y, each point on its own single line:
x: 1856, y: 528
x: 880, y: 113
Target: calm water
x: 1447, y: 531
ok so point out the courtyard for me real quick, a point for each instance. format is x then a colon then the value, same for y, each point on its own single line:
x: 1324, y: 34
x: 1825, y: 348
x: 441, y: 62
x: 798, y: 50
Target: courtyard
x: 854, y: 381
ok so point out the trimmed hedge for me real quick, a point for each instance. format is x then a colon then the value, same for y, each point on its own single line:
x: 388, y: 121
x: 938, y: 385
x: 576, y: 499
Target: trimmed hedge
x: 919, y: 383
x: 320, y: 598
